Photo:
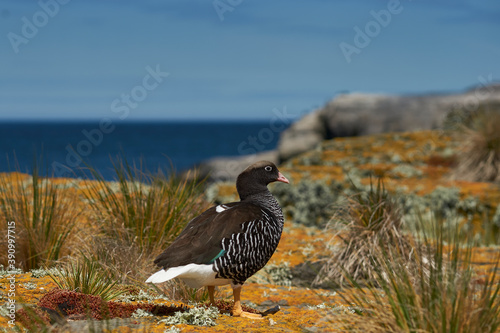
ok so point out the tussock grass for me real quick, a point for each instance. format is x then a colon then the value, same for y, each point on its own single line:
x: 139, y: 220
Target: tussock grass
x: 44, y: 219
x: 372, y: 220
x: 87, y: 276
x: 480, y: 137
x: 443, y: 296
x: 138, y: 216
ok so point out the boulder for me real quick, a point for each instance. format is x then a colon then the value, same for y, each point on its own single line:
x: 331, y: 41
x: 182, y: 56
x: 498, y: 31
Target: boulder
x: 228, y: 168
x: 358, y: 114
x: 302, y: 136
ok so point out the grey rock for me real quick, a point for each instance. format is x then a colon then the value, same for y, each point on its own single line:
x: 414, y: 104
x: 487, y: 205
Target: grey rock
x: 302, y: 136
x: 358, y: 114
x: 228, y: 168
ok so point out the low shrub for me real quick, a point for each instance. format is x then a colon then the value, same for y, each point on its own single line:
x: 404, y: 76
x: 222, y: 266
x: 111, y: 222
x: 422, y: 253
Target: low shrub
x: 87, y: 276
x: 372, y: 220
x: 479, y: 160
x: 310, y: 203
x: 442, y: 295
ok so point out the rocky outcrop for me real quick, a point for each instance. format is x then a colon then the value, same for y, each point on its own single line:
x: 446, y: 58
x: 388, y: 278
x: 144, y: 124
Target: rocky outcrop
x: 356, y: 114
x: 228, y: 168
x: 302, y: 135
x: 364, y: 114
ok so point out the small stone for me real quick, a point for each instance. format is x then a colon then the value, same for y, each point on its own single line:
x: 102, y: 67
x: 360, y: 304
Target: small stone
x: 267, y: 303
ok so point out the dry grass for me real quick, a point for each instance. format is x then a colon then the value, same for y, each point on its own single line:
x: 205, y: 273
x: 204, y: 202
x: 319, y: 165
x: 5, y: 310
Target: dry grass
x: 177, y: 290
x: 86, y: 275
x: 372, y: 221
x: 392, y: 284
x: 479, y: 160
x: 44, y: 218
x: 138, y: 216
x: 442, y: 297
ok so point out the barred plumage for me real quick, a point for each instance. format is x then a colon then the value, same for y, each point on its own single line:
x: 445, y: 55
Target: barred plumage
x: 228, y: 243
x: 247, y: 252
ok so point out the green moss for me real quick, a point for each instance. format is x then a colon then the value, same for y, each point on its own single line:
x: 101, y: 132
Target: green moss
x: 310, y: 203
x: 275, y: 274
x: 8, y: 271
x: 41, y: 272
x: 172, y: 329
x: 496, y: 217
x: 405, y: 171
x: 199, y: 316
x: 29, y: 285
x: 141, y: 296
x: 140, y: 313
x: 444, y: 201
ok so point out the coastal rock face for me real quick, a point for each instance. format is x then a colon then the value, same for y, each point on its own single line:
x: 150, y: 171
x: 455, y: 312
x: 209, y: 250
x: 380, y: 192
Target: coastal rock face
x: 359, y: 114
x: 301, y: 136
x: 228, y: 168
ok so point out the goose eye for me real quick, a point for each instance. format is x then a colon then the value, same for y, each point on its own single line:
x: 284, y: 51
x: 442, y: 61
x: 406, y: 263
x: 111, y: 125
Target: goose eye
x: 268, y: 168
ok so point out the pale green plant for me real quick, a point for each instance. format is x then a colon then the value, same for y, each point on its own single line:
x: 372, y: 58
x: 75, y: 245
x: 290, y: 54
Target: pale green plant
x: 86, y: 275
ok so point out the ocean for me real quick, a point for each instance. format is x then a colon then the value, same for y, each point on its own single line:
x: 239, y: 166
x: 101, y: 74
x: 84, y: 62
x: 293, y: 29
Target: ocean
x: 65, y: 149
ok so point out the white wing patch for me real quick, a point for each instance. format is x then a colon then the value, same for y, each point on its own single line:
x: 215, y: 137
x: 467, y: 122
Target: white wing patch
x: 221, y: 208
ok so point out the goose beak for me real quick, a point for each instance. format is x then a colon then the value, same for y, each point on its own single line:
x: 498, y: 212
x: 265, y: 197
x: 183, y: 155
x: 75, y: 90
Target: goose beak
x: 282, y: 178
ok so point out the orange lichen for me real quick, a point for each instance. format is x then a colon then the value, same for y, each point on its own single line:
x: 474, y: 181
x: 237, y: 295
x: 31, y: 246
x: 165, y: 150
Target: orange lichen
x: 431, y: 154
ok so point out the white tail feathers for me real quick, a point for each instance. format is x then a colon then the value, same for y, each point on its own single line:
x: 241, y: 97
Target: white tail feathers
x: 194, y: 275
x: 161, y: 276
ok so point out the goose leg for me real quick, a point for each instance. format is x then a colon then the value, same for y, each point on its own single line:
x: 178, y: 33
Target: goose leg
x: 211, y: 290
x: 237, y: 310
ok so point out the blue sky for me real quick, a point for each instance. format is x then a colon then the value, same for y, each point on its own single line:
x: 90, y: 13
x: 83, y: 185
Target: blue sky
x: 242, y: 62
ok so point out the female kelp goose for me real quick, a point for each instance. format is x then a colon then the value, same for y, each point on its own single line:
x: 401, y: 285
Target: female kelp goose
x: 228, y: 243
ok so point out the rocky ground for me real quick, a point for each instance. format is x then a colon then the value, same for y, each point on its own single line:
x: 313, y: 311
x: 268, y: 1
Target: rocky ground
x: 414, y: 165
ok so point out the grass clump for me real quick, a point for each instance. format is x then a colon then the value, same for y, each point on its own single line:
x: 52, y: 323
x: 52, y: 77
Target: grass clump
x: 372, y: 220
x: 87, y: 276
x: 479, y: 160
x: 139, y: 215
x: 178, y: 290
x: 443, y: 296
x: 44, y: 219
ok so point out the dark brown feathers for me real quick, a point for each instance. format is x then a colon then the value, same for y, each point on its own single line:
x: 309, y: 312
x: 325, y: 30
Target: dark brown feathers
x: 254, y: 179
x: 238, y: 237
x: 201, y: 241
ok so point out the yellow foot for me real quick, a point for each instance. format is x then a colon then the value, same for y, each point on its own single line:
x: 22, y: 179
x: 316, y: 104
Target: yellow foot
x: 245, y: 314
